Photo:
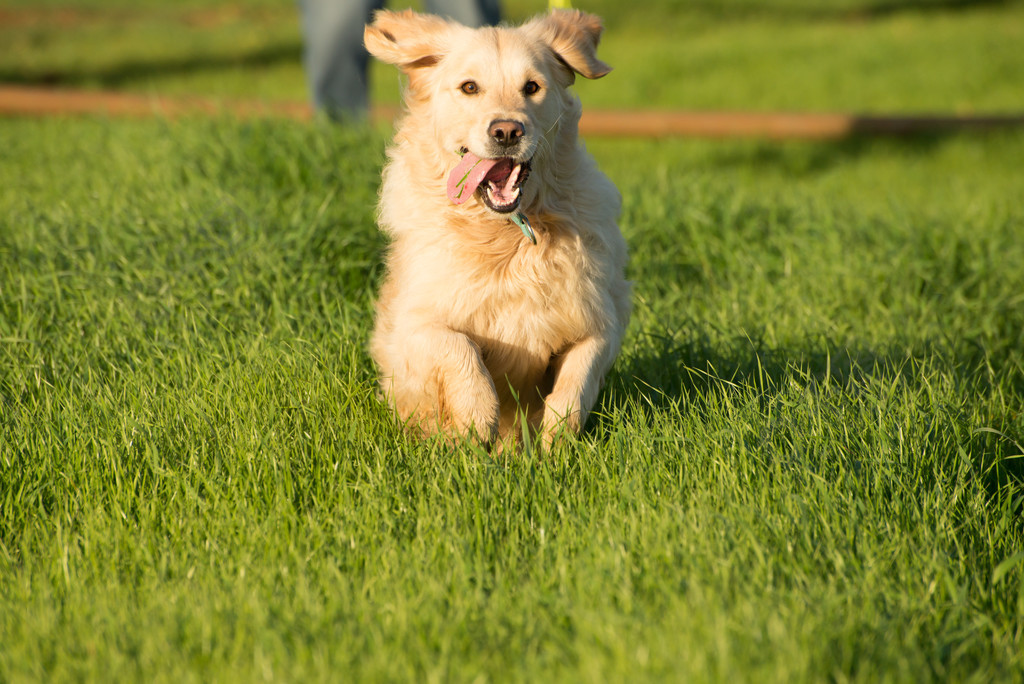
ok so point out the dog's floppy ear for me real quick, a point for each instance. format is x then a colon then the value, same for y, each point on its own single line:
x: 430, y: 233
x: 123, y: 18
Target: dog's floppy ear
x: 407, y: 39
x: 573, y: 36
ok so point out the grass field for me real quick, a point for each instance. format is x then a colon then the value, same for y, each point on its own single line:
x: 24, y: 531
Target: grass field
x: 853, y: 55
x: 807, y: 465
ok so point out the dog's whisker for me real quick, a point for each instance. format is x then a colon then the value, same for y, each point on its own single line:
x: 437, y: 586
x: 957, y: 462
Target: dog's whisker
x: 554, y: 123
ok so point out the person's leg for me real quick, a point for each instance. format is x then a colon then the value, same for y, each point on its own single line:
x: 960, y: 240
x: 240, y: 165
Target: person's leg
x: 468, y: 12
x: 335, y: 58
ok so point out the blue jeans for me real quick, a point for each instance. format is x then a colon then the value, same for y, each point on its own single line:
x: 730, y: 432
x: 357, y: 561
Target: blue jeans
x: 335, y: 58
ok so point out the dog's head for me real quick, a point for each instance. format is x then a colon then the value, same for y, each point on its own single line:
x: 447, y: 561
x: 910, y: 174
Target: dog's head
x: 494, y: 96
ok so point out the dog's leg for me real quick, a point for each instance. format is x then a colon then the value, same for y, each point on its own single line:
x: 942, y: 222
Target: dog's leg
x: 578, y: 379
x: 445, y: 382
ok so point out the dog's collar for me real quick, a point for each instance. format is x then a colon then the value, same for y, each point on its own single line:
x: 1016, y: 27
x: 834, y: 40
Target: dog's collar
x: 519, y: 218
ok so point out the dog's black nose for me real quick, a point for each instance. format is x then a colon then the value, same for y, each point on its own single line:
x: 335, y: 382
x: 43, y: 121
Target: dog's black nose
x: 506, y: 132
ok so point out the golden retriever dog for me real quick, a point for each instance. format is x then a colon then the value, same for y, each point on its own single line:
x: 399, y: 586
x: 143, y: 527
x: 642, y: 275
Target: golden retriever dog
x: 505, y: 300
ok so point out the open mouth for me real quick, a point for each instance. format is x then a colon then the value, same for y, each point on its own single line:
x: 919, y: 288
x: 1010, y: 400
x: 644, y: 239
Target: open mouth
x: 502, y: 186
x: 498, y: 182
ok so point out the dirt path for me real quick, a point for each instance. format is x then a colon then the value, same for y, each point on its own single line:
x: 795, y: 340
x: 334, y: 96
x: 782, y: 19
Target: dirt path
x: 27, y: 101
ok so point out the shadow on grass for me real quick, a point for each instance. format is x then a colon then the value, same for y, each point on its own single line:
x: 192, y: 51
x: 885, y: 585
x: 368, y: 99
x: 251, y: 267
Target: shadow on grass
x: 806, y: 158
x: 872, y: 9
x: 130, y: 71
x: 888, y: 7
x: 667, y: 374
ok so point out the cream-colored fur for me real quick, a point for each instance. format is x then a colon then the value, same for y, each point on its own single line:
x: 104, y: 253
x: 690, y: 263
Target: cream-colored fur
x: 476, y: 327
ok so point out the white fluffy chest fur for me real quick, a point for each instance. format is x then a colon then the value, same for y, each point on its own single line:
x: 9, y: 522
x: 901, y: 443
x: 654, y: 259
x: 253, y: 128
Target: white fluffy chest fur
x: 507, y: 295
x: 536, y: 298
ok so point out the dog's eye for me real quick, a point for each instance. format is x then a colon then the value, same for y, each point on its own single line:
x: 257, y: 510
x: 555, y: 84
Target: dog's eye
x: 470, y: 88
x: 531, y: 87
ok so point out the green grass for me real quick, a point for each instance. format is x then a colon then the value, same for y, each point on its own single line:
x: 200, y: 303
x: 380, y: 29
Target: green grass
x: 805, y: 465
x: 848, y: 55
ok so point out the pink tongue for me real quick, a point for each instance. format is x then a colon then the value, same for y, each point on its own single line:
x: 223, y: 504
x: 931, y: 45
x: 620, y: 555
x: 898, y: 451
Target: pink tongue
x: 464, y: 178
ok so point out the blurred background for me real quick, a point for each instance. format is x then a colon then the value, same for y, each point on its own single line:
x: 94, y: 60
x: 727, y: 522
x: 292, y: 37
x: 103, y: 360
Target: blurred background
x: 853, y: 56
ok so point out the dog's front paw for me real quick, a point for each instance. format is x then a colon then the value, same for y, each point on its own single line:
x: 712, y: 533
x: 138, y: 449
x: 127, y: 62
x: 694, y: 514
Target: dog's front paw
x: 476, y: 413
x: 562, y: 414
